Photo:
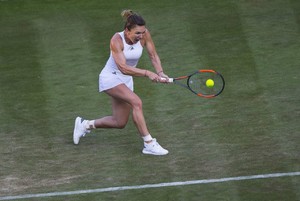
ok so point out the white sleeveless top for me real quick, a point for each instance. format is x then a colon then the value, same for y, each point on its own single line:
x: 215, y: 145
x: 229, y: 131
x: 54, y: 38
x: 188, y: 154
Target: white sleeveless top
x: 111, y: 76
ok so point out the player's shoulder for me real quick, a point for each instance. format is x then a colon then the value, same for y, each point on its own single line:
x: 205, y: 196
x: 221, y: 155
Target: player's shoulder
x: 147, y: 34
x: 116, y: 41
x: 116, y: 37
x: 146, y: 38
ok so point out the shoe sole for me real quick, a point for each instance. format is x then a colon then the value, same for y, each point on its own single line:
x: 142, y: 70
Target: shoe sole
x: 75, y: 128
x: 153, y: 153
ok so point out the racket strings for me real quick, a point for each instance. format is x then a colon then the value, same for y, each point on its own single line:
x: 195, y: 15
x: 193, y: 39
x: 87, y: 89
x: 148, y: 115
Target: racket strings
x: 197, y: 83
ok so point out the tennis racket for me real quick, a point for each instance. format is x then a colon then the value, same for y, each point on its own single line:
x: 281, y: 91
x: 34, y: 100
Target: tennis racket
x: 203, y: 83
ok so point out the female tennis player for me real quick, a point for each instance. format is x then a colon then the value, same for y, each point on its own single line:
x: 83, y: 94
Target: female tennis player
x: 116, y: 81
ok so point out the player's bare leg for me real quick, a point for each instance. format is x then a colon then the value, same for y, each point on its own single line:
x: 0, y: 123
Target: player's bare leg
x: 121, y: 111
x: 123, y: 100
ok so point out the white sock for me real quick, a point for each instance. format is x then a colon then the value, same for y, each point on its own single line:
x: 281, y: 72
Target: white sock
x: 90, y: 124
x: 147, y: 138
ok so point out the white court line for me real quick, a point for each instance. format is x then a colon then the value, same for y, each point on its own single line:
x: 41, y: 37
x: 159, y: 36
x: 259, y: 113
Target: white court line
x: 159, y: 185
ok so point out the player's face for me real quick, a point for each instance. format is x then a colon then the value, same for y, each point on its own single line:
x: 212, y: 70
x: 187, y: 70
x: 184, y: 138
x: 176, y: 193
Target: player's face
x: 136, y: 34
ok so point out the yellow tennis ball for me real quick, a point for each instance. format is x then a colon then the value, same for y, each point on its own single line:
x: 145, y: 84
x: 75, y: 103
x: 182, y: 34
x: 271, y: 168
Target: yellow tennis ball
x: 210, y: 83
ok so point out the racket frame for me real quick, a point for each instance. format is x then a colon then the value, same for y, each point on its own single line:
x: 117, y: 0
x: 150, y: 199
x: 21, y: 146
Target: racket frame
x: 187, y: 77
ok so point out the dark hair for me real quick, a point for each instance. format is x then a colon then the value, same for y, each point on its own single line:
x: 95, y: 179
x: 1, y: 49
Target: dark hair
x: 132, y: 19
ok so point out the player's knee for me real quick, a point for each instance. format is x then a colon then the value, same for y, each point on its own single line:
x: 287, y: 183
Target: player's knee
x: 121, y: 125
x: 137, y: 104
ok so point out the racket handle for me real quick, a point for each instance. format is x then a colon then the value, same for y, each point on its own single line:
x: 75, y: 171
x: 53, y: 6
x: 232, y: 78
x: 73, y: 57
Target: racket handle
x: 168, y: 79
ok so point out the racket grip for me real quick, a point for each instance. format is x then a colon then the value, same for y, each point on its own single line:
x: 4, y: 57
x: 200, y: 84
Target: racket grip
x: 168, y: 79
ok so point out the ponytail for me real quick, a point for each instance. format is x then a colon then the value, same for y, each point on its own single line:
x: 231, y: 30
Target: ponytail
x: 126, y: 13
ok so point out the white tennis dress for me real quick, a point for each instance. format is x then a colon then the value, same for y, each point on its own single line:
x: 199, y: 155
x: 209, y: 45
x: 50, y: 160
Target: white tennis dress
x: 111, y: 76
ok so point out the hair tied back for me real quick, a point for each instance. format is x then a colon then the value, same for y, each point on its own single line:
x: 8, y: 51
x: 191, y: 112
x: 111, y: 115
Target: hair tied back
x: 126, y: 14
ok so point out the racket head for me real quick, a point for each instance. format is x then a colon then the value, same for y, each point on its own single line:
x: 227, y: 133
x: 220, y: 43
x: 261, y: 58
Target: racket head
x: 196, y: 82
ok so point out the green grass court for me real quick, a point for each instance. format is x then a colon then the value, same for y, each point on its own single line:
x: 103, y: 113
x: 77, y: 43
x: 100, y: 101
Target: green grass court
x: 52, y: 51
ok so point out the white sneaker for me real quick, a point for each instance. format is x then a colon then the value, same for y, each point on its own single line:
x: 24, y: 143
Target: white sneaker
x: 154, y: 148
x: 79, y: 129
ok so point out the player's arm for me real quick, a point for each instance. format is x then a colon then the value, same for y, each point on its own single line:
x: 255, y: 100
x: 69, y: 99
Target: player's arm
x: 155, y: 60
x: 116, y: 46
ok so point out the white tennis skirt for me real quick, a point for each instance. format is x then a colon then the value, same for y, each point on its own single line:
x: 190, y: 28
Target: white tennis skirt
x: 109, y: 79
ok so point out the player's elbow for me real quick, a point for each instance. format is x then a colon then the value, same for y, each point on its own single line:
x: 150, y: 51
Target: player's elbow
x: 153, y: 57
x: 124, y: 69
